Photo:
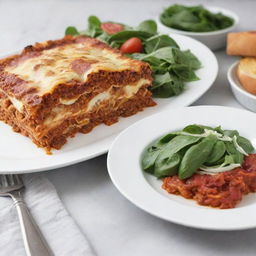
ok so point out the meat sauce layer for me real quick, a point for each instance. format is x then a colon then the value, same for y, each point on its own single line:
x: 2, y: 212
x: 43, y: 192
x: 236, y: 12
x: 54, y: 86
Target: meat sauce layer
x: 223, y: 190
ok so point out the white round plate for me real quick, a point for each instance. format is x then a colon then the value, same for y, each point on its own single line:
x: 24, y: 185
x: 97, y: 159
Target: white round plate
x: 19, y: 155
x: 145, y: 190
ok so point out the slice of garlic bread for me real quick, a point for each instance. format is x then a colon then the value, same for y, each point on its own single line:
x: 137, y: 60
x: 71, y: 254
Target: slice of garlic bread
x: 246, y: 73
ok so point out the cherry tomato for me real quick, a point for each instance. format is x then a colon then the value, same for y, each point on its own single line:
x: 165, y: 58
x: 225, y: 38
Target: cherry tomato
x: 111, y: 28
x: 132, y: 45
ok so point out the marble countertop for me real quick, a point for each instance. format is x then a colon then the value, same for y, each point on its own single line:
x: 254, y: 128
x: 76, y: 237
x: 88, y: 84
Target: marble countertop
x: 114, y: 225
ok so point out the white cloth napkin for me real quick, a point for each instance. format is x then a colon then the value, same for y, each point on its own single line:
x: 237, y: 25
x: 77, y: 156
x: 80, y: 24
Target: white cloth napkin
x: 59, y: 229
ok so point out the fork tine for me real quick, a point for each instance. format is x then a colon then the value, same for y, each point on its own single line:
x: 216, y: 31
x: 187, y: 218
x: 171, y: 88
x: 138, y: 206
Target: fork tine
x: 4, y: 181
x: 10, y: 180
x: 19, y: 179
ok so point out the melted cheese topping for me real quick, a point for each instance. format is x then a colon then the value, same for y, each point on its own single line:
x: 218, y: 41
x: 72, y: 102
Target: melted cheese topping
x: 54, y: 66
x: 16, y: 103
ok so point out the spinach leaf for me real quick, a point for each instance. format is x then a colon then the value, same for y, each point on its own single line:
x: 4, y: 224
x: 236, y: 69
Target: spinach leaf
x: 165, y: 163
x: 120, y: 37
x: 71, y: 31
x: 148, y: 26
x: 232, y: 151
x: 168, y: 89
x: 245, y: 144
x: 161, y: 79
x: 183, y: 73
x: 194, y: 18
x: 191, y: 60
x: 169, y: 166
x: 194, y: 129
x: 196, y: 156
x: 94, y: 28
x: 159, y: 41
x: 231, y: 133
x: 150, y: 155
x: 217, y: 153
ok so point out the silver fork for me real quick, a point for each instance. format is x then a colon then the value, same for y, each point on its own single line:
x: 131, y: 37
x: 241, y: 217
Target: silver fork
x: 34, y: 242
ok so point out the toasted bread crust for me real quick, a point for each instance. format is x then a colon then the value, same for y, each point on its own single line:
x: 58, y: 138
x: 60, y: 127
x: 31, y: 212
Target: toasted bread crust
x: 246, y: 73
x: 242, y: 44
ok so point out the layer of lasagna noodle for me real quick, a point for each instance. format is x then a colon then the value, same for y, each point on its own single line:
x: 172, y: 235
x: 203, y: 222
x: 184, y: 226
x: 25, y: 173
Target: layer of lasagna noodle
x: 54, y: 89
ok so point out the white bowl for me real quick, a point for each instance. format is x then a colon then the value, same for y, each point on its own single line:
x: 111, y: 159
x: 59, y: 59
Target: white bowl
x: 246, y: 99
x: 214, y: 40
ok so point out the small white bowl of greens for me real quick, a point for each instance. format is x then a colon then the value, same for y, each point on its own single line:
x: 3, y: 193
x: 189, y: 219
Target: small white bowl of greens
x: 209, y: 25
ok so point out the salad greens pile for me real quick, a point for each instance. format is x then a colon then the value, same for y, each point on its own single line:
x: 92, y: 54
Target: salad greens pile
x: 194, y: 19
x: 196, y: 148
x: 171, y: 66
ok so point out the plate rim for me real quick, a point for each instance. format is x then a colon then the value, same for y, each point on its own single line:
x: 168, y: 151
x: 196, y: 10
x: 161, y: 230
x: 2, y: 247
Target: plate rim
x: 156, y: 213
x: 105, y: 145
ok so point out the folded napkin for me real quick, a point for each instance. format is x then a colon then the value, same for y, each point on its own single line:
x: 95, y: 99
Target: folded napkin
x: 59, y: 229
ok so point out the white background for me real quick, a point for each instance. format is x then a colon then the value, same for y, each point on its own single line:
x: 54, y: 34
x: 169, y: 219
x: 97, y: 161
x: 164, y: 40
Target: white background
x: 113, y: 225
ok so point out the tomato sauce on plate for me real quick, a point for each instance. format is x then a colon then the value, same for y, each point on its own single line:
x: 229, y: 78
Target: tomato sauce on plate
x: 223, y: 190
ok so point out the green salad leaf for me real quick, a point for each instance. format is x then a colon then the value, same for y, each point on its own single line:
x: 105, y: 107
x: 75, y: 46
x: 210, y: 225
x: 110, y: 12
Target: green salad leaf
x: 195, y: 147
x: 71, y: 31
x: 194, y: 19
x: 172, y: 67
x: 148, y: 26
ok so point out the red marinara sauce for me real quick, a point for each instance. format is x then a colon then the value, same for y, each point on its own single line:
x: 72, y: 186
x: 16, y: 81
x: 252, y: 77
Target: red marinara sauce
x: 223, y: 190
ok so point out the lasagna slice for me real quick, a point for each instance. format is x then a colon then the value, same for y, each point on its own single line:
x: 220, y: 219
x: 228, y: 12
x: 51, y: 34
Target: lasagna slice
x: 54, y: 89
